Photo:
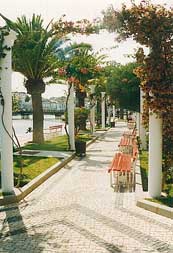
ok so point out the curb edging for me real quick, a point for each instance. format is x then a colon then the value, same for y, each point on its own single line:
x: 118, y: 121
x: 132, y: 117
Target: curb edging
x: 156, y: 208
x: 146, y: 204
x: 21, y: 193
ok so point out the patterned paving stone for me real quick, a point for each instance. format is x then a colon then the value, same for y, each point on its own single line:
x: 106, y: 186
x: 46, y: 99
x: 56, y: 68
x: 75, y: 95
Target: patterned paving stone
x: 76, y: 211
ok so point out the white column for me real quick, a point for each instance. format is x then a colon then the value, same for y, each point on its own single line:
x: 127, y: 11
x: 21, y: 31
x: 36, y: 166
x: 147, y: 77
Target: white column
x: 109, y: 109
x: 70, y: 108
x: 7, y: 177
x: 142, y: 131
x: 137, y: 122
x: 155, y: 156
x: 103, y: 109
x: 92, y: 112
x: 113, y: 111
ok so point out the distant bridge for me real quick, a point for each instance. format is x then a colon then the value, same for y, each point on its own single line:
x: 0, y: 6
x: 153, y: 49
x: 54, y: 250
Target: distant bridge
x: 25, y: 114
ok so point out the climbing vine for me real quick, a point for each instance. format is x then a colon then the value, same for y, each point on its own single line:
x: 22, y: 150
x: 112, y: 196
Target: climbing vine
x: 4, y: 31
x: 151, y: 26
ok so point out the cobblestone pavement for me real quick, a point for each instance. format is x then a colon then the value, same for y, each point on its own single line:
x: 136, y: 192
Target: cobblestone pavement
x: 76, y: 211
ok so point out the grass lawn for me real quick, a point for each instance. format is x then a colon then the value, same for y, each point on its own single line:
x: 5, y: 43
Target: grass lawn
x: 144, y: 169
x: 59, y: 143
x: 32, y: 167
x: 84, y: 136
x: 168, y: 200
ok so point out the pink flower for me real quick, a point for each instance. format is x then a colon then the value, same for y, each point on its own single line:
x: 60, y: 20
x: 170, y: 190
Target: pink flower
x: 84, y: 70
x: 61, y: 72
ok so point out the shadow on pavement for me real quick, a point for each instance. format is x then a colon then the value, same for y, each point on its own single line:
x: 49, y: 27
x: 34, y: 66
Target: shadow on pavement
x: 14, y: 225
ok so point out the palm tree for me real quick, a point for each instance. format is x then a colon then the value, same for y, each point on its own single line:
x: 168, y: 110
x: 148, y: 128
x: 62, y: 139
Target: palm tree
x: 34, y: 57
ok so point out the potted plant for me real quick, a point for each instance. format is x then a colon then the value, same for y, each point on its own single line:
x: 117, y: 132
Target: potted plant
x: 80, y: 146
x: 112, y: 123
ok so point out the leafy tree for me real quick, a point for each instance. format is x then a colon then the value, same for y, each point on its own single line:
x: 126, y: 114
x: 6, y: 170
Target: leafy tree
x: 27, y: 99
x: 123, y: 86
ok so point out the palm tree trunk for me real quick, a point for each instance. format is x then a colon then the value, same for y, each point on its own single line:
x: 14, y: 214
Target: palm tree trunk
x: 38, y: 118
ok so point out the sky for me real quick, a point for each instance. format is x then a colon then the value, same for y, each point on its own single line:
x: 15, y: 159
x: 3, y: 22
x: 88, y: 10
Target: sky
x: 74, y: 10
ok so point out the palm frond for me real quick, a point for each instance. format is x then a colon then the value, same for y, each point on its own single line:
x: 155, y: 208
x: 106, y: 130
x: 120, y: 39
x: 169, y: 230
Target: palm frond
x: 34, y: 49
x: 9, y: 23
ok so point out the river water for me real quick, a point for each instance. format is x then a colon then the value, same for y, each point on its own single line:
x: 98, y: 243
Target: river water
x: 21, y: 126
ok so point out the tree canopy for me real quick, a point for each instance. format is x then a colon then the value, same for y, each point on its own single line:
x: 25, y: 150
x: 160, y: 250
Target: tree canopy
x: 123, y: 86
x: 80, y: 66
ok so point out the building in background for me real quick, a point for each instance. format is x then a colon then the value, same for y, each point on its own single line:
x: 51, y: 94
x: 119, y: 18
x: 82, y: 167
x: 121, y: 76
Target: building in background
x: 52, y: 105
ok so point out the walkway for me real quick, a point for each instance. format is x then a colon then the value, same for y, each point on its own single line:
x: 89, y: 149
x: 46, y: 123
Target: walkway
x: 76, y: 211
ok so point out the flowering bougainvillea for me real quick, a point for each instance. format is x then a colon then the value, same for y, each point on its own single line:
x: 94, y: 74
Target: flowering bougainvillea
x: 4, y: 31
x: 63, y: 27
x: 80, y: 67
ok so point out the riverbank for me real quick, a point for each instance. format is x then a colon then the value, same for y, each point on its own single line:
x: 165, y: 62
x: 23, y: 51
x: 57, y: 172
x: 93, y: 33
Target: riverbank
x: 21, y: 126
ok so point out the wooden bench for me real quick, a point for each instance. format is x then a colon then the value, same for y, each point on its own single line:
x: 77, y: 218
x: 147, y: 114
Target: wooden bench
x: 122, y: 168
x: 52, y: 131
x: 122, y: 172
x: 126, y: 145
x: 131, y: 124
x: 130, y: 134
x: 56, y: 128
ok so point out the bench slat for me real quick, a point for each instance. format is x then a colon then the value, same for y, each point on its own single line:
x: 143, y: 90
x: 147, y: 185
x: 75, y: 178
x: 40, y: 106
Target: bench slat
x: 55, y: 127
x: 121, y: 162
